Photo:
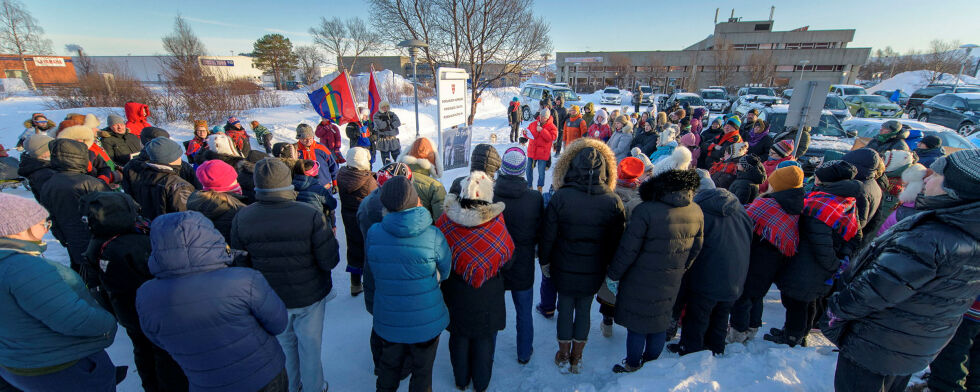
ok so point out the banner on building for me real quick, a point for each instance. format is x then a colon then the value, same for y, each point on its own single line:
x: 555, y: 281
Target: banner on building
x: 218, y: 63
x: 49, y: 62
x: 583, y: 59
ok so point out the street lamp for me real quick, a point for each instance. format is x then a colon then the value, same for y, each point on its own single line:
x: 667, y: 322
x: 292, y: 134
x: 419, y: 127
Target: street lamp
x: 969, y: 48
x: 413, y: 46
x: 803, y: 64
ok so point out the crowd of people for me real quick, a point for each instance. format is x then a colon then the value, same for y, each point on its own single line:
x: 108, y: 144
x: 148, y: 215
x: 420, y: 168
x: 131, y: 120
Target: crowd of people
x: 217, y: 258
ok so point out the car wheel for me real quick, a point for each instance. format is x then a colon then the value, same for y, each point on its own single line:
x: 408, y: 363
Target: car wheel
x: 912, y: 113
x: 862, y: 113
x: 526, y: 113
x: 924, y: 118
x: 965, y: 129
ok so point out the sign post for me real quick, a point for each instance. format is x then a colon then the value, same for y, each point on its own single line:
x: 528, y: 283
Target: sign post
x: 806, y: 105
x: 453, y: 133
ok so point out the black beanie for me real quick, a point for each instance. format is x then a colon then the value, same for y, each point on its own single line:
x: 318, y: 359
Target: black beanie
x: 865, y: 160
x: 485, y: 158
x: 271, y: 174
x: 833, y: 171
x: 398, y: 194
x: 255, y: 156
x: 150, y: 133
x: 932, y: 141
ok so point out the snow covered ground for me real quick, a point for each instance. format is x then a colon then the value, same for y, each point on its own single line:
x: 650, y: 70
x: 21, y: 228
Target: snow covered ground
x: 757, y: 366
x: 913, y: 80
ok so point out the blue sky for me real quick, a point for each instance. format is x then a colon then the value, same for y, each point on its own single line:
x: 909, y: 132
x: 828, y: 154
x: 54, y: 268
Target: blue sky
x: 106, y: 27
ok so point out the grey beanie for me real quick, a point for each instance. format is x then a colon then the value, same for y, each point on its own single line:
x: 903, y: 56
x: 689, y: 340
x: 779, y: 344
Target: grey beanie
x: 961, y: 172
x: 398, y: 194
x: 163, y: 151
x: 706, y: 182
x: 272, y: 174
x: 116, y: 119
x: 892, y: 125
x: 37, y: 145
x: 303, y: 131
x: 19, y: 214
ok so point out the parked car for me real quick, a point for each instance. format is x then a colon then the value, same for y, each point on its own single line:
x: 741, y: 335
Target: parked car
x: 914, y: 105
x: 959, y: 111
x: 693, y: 100
x: 974, y: 138
x: 716, y: 100
x: 903, y: 98
x: 844, y: 90
x: 611, y: 96
x: 745, y: 103
x: 532, y: 93
x: 872, y: 106
x: 828, y: 138
x: 788, y: 93
x: 661, y: 99
x: 837, y: 106
x: 647, y: 92
x: 756, y: 91
x: 869, y: 128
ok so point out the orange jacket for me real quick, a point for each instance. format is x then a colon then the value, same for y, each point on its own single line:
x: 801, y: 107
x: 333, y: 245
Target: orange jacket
x: 575, y: 128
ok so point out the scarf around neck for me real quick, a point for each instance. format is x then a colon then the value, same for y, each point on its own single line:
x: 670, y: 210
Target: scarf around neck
x: 834, y: 211
x: 775, y: 225
x: 755, y: 138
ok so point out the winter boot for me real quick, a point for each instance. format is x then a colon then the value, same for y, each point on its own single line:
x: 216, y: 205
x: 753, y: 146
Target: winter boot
x: 750, y: 334
x: 547, y: 315
x: 564, y: 351
x: 676, y: 348
x: 540, y: 189
x: 606, y: 328
x: 672, y: 329
x: 575, y: 359
x: 624, y: 367
x: 779, y: 336
x: 356, y: 289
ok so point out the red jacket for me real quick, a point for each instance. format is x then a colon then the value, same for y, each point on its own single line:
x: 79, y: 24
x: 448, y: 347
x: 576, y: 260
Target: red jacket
x: 329, y: 135
x: 539, y: 148
x: 136, y: 114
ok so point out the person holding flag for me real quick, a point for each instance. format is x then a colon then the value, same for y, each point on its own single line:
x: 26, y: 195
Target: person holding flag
x: 359, y: 133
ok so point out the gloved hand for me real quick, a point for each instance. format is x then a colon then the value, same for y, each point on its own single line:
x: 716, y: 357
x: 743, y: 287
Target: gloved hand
x: 833, y: 319
x: 546, y: 270
x: 613, y: 286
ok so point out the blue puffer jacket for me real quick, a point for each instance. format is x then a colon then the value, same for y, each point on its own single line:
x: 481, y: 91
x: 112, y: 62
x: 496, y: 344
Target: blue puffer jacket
x: 407, y: 258
x: 48, y: 317
x: 309, y: 190
x: 218, y: 322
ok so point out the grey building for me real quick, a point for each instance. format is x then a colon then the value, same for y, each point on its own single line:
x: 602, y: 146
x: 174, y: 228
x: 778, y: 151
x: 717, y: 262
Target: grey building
x: 738, y: 53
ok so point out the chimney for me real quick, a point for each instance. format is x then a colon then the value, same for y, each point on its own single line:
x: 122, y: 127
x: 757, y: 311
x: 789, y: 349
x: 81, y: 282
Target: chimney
x: 772, y: 10
x: 733, y: 14
x: 716, y: 15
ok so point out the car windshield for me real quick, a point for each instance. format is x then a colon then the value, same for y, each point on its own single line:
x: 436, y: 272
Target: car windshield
x: 712, y: 95
x: 611, y: 91
x: 646, y: 90
x: 567, y: 95
x: 862, y: 129
x: 761, y: 91
x: 950, y: 139
x: 875, y: 99
x: 829, y: 126
x: 834, y: 103
x: 973, y: 104
x: 853, y: 91
x: 691, y: 100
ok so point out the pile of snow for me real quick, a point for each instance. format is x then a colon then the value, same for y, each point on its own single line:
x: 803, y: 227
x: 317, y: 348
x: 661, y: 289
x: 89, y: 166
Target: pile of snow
x: 13, y: 85
x: 910, y: 81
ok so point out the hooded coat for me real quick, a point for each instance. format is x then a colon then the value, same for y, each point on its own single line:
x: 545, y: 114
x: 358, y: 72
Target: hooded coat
x: 905, y: 294
x: 867, y: 163
x: 620, y: 142
x: 720, y: 270
x: 539, y: 148
x: 747, y: 182
x: 353, y: 185
x: 219, y: 207
x: 893, y: 141
x: 662, y: 240
x: 588, y: 114
x: 218, y: 322
x: 523, y: 216
x: 136, y: 115
x: 36, y: 171
x: 484, y: 158
x: 158, y: 189
x: 584, y: 219
x: 120, y: 148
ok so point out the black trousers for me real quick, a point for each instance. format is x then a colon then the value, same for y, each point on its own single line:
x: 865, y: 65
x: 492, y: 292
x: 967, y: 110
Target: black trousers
x: 157, y: 369
x: 376, y: 343
x: 514, y: 129
x: 747, y: 313
x: 799, y: 315
x: 852, y: 378
x: 392, y: 358
x: 705, y: 324
x: 267, y: 143
x: 957, y: 368
x: 278, y: 384
x: 574, y: 317
x: 559, y: 140
x: 472, y: 359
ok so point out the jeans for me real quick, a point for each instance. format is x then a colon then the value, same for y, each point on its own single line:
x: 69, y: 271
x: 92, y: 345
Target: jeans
x: 798, y: 316
x: 301, y: 342
x: 573, y: 317
x: 392, y: 359
x: 541, y: 166
x: 850, y: 377
x: 957, y: 368
x: 746, y: 313
x: 92, y: 373
x: 549, y: 295
x: 472, y: 359
x: 705, y: 325
x: 525, y: 324
x: 643, y: 347
x: 514, y: 132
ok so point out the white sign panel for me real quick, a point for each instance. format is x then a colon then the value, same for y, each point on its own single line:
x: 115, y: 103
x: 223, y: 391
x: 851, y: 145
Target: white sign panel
x: 583, y: 59
x: 49, y: 61
x: 453, y: 134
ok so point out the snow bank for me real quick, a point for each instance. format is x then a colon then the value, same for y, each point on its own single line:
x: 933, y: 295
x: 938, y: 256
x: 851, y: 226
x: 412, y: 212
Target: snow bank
x: 913, y: 80
x: 12, y: 85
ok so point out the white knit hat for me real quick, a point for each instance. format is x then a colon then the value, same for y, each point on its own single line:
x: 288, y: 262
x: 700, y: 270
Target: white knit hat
x: 478, y: 186
x: 359, y: 158
x: 223, y: 145
x: 680, y: 159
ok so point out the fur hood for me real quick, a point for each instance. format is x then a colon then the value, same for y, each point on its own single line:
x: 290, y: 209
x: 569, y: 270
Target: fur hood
x: 913, y: 177
x: 564, y: 162
x: 470, y: 217
x: 29, y: 123
x: 415, y: 163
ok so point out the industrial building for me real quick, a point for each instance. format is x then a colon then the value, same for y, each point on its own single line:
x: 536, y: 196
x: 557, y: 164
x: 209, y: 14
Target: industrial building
x: 150, y: 69
x: 402, y: 65
x: 45, y: 70
x: 736, y: 54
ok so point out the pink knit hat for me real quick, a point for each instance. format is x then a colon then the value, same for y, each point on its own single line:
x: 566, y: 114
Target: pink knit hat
x: 216, y: 175
x: 688, y: 139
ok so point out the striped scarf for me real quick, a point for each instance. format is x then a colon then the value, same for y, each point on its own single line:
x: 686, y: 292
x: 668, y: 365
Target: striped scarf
x: 775, y: 225
x: 834, y: 211
x: 478, y: 251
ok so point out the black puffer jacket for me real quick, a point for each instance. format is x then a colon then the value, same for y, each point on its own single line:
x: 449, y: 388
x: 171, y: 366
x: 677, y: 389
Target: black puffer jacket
x: 584, y: 219
x: 708, y: 136
x: 353, y: 186
x: 765, y: 259
x: 867, y: 163
x: 244, y: 166
x: 646, y: 141
x: 290, y: 243
x: 120, y: 148
x: 158, y: 189
x: 484, y: 158
x: 746, y: 184
x: 662, y: 240
x: 130, y: 171
x: 219, y: 207
x: 523, y: 218
x: 719, y: 271
x: 36, y: 171
x: 906, y: 293
x: 820, y: 251
x: 62, y: 192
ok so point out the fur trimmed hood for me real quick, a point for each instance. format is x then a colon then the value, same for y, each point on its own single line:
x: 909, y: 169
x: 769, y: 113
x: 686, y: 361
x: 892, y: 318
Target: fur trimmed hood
x: 470, y: 217
x: 29, y: 123
x: 675, y: 187
x: 914, y: 178
x: 409, y: 156
x: 565, y: 161
x: 419, y: 163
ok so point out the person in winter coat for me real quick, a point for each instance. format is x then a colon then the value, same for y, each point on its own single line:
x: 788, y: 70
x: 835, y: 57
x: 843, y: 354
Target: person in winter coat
x: 748, y: 123
x: 708, y: 136
x: 912, y: 183
x: 644, y: 278
x: 583, y: 223
x: 421, y: 158
x: 35, y: 163
x: 588, y: 114
x: 955, y: 368
x: 118, y: 142
x: 779, y: 152
x: 200, y: 141
x: 514, y: 118
x: 929, y: 149
x: 120, y: 242
x: 102, y: 167
x: 829, y: 232
x: 541, y: 133
x: 749, y: 175
x: 263, y: 136
x: 221, y: 197
x: 405, y: 260
x: 599, y: 129
x: 895, y: 162
x: 718, y: 148
x: 237, y: 351
x: 560, y: 117
x: 869, y: 169
x: 309, y: 191
x: 309, y: 149
x: 666, y: 143
x: 717, y: 277
x: 328, y: 134
x: 621, y: 138
x: 776, y: 238
x: 523, y: 215
x: 900, y: 290
x: 136, y: 115
x: 484, y: 158
x: 724, y: 172
x: 354, y: 182
x: 292, y: 246
x: 156, y: 183
x: 130, y: 170
x: 36, y: 125
x: 646, y: 140
x: 361, y: 134
x: 236, y: 132
x: 481, y: 248
x: 575, y: 126
x: 891, y: 136
x: 386, y: 125
x: 759, y: 139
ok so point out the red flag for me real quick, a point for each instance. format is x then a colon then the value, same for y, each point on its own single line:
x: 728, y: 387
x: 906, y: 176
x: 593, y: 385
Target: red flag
x: 374, y: 98
x: 335, y: 101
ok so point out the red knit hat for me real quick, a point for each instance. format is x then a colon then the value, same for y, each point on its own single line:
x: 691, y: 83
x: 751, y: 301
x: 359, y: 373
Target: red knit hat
x: 630, y: 168
x: 216, y: 175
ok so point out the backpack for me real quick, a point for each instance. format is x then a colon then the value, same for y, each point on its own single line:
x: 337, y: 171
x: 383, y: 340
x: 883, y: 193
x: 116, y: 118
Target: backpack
x: 110, y: 213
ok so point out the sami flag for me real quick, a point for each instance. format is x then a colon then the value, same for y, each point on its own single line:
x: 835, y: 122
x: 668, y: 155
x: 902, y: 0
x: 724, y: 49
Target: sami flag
x: 335, y: 101
x: 374, y: 98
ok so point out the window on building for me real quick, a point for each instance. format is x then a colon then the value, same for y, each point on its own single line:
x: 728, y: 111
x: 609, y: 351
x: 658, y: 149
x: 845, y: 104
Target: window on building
x: 784, y: 68
x: 745, y: 46
x: 644, y: 69
x: 821, y: 45
x: 762, y: 26
x: 766, y: 46
x: 676, y: 68
x: 824, y: 68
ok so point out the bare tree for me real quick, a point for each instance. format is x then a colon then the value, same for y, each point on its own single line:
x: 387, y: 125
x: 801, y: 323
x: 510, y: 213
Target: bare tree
x: 21, y: 34
x: 403, y: 19
x: 657, y: 71
x: 624, y: 69
x: 345, y: 38
x: 762, y: 67
x: 726, y: 63
x: 943, y: 58
x: 184, y: 49
x: 309, y: 60
x: 83, y: 63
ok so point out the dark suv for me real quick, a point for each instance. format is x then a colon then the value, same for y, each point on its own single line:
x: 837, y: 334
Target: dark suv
x: 957, y: 111
x: 914, y: 106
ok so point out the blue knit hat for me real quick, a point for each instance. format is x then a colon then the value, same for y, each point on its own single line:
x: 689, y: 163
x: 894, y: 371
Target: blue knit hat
x: 515, y: 99
x: 514, y: 162
x: 734, y: 120
x: 788, y: 163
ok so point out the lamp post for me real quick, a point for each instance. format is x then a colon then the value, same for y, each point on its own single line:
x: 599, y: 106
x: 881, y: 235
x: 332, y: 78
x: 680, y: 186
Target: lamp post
x: 803, y: 64
x: 413, y: 46
x: 969, y: 48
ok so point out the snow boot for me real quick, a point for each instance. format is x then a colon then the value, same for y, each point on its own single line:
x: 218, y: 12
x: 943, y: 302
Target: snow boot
x: 564, y: 351
x: 676, y: 348
x: 575, y: 359
x: 779, y: 336
x: 356, y: 289
x: 541, y: 189
x: 625, y: 367
x: 672, y: 329
x: 606, y: 328
x: 547, y: 315
x: 750, y: 334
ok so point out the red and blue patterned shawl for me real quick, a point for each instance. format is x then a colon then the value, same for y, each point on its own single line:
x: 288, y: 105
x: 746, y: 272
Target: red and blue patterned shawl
x: 478, y: 251
x: 835, y: 211
x: 775, y: 225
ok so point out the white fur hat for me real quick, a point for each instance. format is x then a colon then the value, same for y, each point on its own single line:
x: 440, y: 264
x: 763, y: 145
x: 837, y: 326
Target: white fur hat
x: 913, y: 178
x: 478, y: 186
x: 667, y: 135
x: 359, y: 158
x: 221, y: 144
x: 680, y: 159
x: 91, y: 121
